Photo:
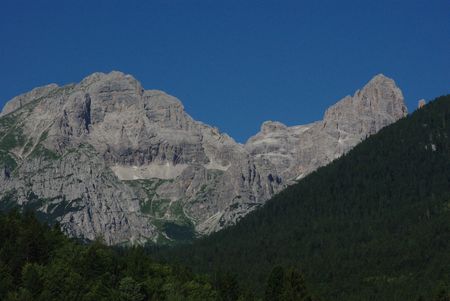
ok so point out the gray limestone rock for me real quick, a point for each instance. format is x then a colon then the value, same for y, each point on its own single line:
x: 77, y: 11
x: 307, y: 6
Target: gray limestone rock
x: 296, y: 151
x: 23, y: 99
x: 107, y: 158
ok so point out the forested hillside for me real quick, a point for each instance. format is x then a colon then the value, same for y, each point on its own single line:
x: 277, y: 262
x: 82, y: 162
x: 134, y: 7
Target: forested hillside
x: 40, y: 263
x: 372, y: 225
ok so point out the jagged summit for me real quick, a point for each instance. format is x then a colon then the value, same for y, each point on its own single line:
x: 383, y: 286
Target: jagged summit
x: 99, y: 76
x: 299, y: 150
x: 36, y: 93
x: 380, y: 77
x: 379, y: 80
x: 23, y: 99
x: 107, y: 157
x: 269, y: 126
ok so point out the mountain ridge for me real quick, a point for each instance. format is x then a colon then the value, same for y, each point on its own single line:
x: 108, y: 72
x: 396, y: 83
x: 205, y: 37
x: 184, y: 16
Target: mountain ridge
x: 159, y: 174
x: 371, y: 225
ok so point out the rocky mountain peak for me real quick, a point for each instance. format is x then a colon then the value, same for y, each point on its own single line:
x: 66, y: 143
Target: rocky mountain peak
x: 380, y: 81
x: 118, y: 161
x: 298, y: 150
x: 422, y: 102
x: 380, y: 77
x: 106, y: 157
x: 101, y: 76
x: 379, y: 97
x: 271, y: 126
x: 114, y: 81
x: 25, y: 98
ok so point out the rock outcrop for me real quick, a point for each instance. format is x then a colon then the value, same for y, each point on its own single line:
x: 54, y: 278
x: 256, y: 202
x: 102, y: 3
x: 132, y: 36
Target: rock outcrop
x: 23, y: 99
x: 421, y: 103
x: 107, y: 158
x: 296, y: 151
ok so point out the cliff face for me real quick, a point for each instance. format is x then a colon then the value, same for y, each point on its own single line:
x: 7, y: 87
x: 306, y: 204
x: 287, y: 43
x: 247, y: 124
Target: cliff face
x: 105, y: 157
x: 298, y: 150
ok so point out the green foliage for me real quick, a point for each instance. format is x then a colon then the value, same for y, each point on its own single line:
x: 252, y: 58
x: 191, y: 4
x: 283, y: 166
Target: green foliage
x: 44, y: 153
x: 8, y: 201
x: 7, y: 160
x: 10, y: 137
x: 153, y: 204
x: 274, y: 288
x: 167, y: 215
x: 228, y: 286
x: 372, y: 225
x: 294, y: 287
x: 130, y: 290
x: 32, y: 278
x: 6, y: 122
x: 39, y: 263
x: 6, y: 280
x: 442, y: 296
x: 286, y: 286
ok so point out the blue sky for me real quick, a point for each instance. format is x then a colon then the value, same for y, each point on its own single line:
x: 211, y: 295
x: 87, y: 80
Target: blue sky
x: 233, y: 64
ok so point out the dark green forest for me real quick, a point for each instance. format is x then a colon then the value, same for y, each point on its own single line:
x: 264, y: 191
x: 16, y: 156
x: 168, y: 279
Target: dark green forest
x: 372, y: 225
x: 40, y: 263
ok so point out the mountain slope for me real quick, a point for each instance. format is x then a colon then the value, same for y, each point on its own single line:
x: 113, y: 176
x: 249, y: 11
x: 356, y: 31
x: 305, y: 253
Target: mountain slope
x: 105, y: 157
x: 296, y: 151
x: 372, y: 225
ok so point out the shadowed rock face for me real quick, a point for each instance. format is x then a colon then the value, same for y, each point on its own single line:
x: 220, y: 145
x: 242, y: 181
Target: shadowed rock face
x: 107, y: 158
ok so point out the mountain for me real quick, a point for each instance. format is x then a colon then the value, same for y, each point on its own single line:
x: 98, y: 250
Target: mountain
x: 371, y: 225
x: 105, y: 157
x: 297, y: 151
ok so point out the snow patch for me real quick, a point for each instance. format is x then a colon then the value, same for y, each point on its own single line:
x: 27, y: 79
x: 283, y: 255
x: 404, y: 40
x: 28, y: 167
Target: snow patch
x: 217, y: 165
x: 266, y: 140
x: 164, y: 171
x: 300, y: 176
x: 300, y: 129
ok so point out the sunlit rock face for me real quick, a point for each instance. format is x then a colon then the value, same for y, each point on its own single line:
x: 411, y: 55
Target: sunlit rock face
x: 107, y: 158
x: 296, y: 151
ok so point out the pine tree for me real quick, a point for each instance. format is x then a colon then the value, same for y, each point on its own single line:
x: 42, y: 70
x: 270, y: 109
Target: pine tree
x: 294, y: 286
x: 275, y: 285
x: 6, y: 280
x: 130, y: 290
x: 31, y: 278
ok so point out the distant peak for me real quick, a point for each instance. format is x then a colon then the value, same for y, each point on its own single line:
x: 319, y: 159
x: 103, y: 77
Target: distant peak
x: 116, y: 79
x: 22, y: 99
x: 381, y: 78
x: 383, y: 83
x: 270, y: 126
x: 421, y: 103
x: 100, y: 76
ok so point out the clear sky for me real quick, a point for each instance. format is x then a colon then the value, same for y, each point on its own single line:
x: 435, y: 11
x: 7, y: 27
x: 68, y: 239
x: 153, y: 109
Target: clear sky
x: 233, y: 64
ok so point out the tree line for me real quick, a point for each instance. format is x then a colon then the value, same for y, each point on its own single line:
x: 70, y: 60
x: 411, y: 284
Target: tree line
x: 40, y: 263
